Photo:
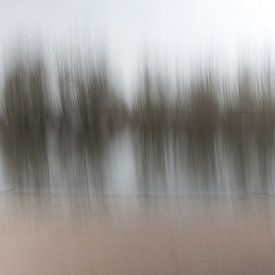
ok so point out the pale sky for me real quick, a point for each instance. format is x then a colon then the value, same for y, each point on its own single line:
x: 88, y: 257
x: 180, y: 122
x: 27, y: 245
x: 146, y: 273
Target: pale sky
x: 177, y: 31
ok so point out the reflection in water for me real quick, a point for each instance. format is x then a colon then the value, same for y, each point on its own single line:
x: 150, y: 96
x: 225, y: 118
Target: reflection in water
x: 26, y: 157
x: 114, y: 202
x: 206, y: 155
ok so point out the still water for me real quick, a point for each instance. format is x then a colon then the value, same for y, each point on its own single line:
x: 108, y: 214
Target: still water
x: 138, y: 202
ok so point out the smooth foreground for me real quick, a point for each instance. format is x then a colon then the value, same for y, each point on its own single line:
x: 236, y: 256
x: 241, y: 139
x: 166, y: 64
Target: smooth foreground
x: 136, y: 235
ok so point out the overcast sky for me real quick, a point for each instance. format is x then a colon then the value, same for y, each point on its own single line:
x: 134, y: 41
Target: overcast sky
x: 179, y: 31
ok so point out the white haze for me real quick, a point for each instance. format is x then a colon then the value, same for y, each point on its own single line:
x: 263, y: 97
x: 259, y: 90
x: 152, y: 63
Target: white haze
x: 176, y: 32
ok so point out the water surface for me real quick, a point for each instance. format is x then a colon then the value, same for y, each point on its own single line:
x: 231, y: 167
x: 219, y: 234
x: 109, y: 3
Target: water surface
x: 138, y: 202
